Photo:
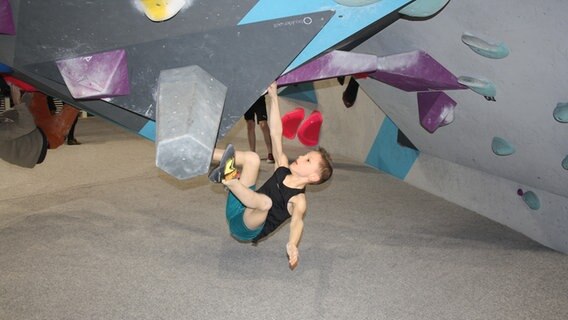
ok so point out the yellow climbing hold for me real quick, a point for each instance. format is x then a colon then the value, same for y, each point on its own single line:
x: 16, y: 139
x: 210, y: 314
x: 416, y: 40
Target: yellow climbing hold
x: 160, y: 10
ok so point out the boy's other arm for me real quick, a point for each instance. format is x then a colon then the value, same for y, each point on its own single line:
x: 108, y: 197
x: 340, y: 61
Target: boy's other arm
x: 296, y: 229
x: 275, y: 125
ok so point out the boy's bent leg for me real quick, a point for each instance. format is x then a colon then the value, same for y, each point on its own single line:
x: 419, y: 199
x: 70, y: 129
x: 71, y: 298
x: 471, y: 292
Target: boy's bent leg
x: 249, y: 163
x: 235, y: 220
x: 249, y: 198
x: 257, y: 204
x: 226, y: 169
x: 254, y: 218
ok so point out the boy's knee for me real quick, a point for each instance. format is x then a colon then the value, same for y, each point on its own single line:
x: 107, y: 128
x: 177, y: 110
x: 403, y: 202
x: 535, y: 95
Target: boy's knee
x: 267, y: 204
x: 252, y: 158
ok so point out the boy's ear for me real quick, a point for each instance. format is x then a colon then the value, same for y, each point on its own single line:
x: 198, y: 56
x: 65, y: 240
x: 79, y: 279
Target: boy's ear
x: 314, y: 177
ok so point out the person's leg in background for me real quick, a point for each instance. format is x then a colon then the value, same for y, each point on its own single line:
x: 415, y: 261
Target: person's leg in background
x: 266, y: 133
x: 259, y: 108
x: 251, y: 135
x: 71, y: 135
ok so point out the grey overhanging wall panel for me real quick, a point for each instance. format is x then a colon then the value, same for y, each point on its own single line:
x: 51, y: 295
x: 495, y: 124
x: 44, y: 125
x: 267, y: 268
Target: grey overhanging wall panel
x: 51, y: 29
x: 245, y: 58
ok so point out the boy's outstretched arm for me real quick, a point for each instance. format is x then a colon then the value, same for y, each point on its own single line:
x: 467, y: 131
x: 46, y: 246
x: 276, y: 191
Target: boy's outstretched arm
x: 275, y: 124
x: 296, y: 229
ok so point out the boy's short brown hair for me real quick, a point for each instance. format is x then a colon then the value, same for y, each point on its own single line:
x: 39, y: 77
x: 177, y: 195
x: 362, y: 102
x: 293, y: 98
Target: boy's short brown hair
x: 326, y: 166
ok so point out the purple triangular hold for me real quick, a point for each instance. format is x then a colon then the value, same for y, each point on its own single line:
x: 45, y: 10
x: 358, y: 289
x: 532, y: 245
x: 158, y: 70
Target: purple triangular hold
x: 415, y: 71
x: 330, y: 65
x: 434, y: 109
x: 100, y: 75
x: 6, y: 19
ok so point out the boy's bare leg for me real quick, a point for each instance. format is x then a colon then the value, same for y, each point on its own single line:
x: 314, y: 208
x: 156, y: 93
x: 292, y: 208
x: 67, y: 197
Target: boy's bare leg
x: 246, y: 160
x: 257, y: 204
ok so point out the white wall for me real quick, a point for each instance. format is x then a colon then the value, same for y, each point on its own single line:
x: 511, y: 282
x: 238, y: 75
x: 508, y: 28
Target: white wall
x: 351, y: 132
x: 348, y: 132
x: 530, y: 82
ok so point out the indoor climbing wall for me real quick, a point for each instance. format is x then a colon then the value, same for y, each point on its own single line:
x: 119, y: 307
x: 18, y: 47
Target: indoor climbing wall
x: 474, y: 92
x: 491, y: 131
x: 110, y: 58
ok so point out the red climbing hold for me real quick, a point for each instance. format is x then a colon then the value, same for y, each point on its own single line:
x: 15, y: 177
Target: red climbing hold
x: 291, y: 121
x: 309, y: 131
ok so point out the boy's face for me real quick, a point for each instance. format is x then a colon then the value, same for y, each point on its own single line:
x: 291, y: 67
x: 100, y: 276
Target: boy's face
x: 308, y: 165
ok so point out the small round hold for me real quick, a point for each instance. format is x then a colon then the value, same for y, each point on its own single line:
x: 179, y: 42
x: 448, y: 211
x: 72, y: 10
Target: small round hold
x: 531, y: 199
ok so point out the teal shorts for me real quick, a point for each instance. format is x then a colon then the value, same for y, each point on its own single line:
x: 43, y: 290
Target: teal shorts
x: 235, y: 211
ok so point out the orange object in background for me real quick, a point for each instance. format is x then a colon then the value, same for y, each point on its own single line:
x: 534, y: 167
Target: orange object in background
x: 55, y: 126
x: 291, y: 121
x: 309, y: 131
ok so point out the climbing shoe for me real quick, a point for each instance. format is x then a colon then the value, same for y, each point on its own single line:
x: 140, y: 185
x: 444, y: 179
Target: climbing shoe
x: 226, y: 169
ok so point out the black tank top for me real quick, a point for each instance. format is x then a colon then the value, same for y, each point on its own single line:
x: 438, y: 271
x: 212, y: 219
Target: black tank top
x: 280, y: 194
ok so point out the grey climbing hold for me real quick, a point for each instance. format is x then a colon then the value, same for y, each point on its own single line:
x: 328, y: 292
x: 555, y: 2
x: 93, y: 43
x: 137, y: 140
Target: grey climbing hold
x: 561, y: 112
x: 531, y: 199
x: 501, y: 147
x: 423, y: 8
x: 356, y: 3
x: 485, y: 48
x: 190, y: 103
x: 565, y: 163
x: 483, y: 87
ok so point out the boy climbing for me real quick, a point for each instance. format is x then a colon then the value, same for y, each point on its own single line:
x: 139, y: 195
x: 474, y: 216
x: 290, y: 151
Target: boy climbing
x: 254, y: 214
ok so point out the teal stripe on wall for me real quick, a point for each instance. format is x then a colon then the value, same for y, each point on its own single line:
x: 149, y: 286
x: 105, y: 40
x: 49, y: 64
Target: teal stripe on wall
x: 149, y: 130
x: 302, y: 92
x: 387, y: 155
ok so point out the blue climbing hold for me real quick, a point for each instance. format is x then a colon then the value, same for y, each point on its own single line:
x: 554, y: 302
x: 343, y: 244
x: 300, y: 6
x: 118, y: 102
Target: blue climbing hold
x: 565, y: 163
x: 561, y: 112
x: 423, y: 8
x: 531, y: 199
x: 5, y: 69
x: 501, y: 147
x: 355, y: 3
x: 483, y: 87
x: 485, y: 48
